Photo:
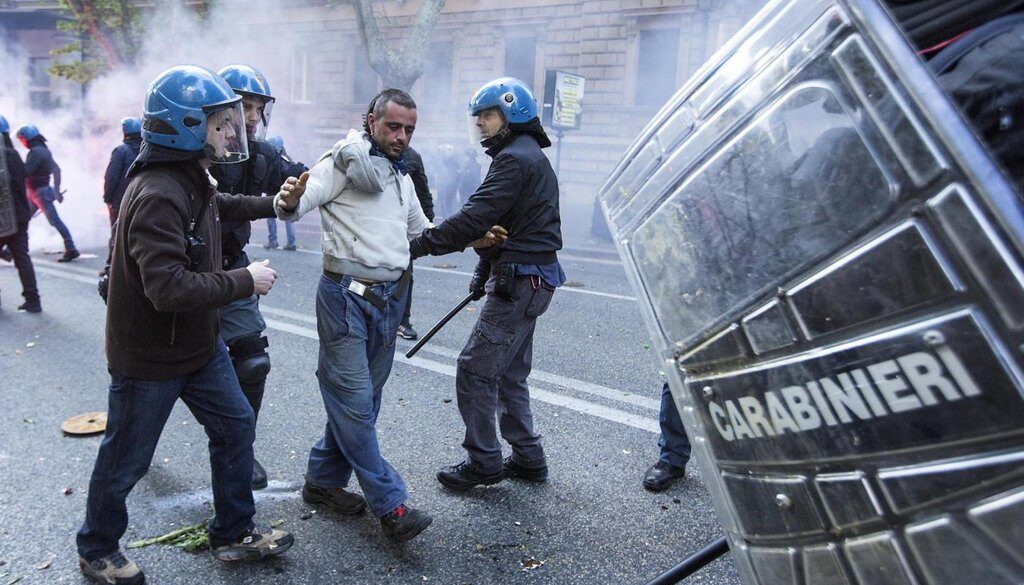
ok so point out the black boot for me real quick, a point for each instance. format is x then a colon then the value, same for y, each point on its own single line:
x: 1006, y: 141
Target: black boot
x: 462, y: 476
x: 661, y: 475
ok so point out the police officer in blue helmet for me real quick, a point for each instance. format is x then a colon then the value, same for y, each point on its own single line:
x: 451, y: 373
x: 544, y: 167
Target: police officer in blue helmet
x: 115, y: 180
x: 166, y: 286
x: 241, y: 324
x: 14, y: 246
x: 518, y: 277
x: 39, y: 168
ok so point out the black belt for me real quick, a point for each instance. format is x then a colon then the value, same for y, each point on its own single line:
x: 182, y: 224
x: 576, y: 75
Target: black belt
x: 362, y: 287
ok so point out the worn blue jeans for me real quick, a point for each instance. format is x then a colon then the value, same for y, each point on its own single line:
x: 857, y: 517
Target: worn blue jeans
x: 43, y: 199
x: 289, y: 230
x: 136, y: 415
x: 357, y: 349
x: 675, y: 445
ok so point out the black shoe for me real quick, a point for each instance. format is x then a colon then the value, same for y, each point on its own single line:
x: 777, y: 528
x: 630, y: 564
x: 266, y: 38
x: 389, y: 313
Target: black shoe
x: 69, y: 256
x: 254, y: 545
x: 336, y: 500
x: 291, y: 247
x: 113, y: 569
x: 270, y: 245
x: 31, y: 307
x: 5, y: 255
x: 661, y: 475
x: 403, y: 523
x: 259, y: 476
x: 407, y: 332
x: 517, y: 471
x: 461, y: 477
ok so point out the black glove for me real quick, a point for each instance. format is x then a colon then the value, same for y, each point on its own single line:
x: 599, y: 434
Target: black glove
x: 477, y: 283
x: 103, y: 285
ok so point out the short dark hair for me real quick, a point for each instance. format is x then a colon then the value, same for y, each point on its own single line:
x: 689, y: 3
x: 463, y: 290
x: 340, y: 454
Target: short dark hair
x: 379, y: 104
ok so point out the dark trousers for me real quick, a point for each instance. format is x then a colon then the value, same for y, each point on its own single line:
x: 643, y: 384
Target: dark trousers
x: 675, y: 445
x: 490, y: 379
x: 17, y: 243
x: 43, y: 199
x: 136, y: 415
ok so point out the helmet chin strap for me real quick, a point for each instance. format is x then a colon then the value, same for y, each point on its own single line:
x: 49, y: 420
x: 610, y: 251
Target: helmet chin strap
x: 499, y: 137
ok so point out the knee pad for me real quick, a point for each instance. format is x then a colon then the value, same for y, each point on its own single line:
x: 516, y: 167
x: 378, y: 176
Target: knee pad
x: 250, y: 359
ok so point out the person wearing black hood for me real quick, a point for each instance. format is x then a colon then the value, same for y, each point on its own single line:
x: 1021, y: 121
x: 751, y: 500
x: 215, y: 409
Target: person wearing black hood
x: 519, y: 277
x: 39, y: 165
x: 17, y: 243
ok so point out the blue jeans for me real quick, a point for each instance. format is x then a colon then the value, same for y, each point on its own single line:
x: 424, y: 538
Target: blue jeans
x: 42, y: 199
x: 289, y: 230
x: 675, y: 445
x: 136, y: 415
x: 357, y: 349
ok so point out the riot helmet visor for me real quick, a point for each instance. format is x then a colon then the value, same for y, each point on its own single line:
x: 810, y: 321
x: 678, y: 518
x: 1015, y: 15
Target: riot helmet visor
x: 226, y: 141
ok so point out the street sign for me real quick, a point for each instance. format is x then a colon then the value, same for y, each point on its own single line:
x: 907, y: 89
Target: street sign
x: 563, y: 100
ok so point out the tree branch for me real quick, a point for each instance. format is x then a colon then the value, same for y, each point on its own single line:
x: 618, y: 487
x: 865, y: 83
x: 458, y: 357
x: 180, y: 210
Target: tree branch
x: 402, y: 68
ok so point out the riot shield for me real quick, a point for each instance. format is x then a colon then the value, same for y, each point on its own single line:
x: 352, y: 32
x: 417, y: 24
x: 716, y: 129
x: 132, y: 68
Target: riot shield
x: 832, y: 268
x: 8, y: 223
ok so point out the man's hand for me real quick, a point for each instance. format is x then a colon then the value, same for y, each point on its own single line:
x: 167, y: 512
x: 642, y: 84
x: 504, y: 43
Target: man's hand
x: 263, y: 276
x: 60, y: 196
x: 291, y: 191
x: 493, y: 237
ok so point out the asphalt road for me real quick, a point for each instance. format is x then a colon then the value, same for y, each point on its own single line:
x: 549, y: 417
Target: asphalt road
x: 595, y: 387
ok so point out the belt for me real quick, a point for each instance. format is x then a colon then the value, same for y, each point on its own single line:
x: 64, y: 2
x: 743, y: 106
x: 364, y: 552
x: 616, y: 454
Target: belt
x: 362, y: 287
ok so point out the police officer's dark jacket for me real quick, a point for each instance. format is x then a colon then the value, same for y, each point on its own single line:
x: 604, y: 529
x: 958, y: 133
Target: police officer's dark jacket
x: 115, y: 180
x: 16, y: 168
x: 39, y: 165
x: 519, y: 193
x: 162, y: 319
x: 262, y: 174
x: 414, y: 162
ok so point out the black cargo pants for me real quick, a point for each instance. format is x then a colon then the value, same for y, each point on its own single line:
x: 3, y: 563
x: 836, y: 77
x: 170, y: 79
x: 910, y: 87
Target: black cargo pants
x: 490, y: 380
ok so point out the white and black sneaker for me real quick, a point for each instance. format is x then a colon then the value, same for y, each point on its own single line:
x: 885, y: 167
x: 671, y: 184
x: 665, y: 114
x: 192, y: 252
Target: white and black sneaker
x: 255, y: 544
x: 113, y: 569
x: 407, y: 332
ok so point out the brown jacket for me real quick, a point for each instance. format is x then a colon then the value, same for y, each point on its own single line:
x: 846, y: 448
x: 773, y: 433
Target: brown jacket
x: 162, y: 317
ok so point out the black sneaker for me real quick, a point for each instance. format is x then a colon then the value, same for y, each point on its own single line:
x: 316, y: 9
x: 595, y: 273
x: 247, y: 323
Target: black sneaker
x: 407, y: 332
x: 69, y: 256
x: 113, y: 569
x: 255, y: 544
x: 661, y: 475
x: 31, y: 307
x: 461, y: 477
x: 259, y: 475
x: 403, y: 523
x: 337, y: 500
x: 517, y: 471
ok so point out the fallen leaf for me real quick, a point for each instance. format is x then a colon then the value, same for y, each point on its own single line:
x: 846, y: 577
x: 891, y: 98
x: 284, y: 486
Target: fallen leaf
x: 530, y: 563
x: 68, y: 491
x: 45, y: 564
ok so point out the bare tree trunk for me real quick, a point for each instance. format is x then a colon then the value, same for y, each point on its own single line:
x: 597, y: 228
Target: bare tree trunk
x: 403, y: 67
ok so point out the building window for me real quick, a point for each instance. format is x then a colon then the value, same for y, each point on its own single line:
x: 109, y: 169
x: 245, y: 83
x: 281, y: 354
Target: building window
x: 437, y: 75
x: 365, y: 82
x: 300, y: 90
x: 521, y: 59
x: 39, y: 93
x: 658, y: 56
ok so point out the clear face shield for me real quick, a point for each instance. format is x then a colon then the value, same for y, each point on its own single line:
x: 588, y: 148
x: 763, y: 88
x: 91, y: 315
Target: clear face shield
x: 485, y: 124
x: 257, y: 111
x: 225, y: 135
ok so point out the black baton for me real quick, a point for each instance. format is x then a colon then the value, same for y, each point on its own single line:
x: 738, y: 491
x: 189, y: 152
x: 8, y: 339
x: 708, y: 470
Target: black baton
x: 437, y: 327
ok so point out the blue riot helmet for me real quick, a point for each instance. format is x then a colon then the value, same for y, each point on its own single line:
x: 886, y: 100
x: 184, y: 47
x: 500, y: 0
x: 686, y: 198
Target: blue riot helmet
x: 508, y: 95
x: 131, y: 125
x: 26, y: 133
x: 257, y: 101
x: 193, y: 109
x: 4, y: 126
x: 277, y: 142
